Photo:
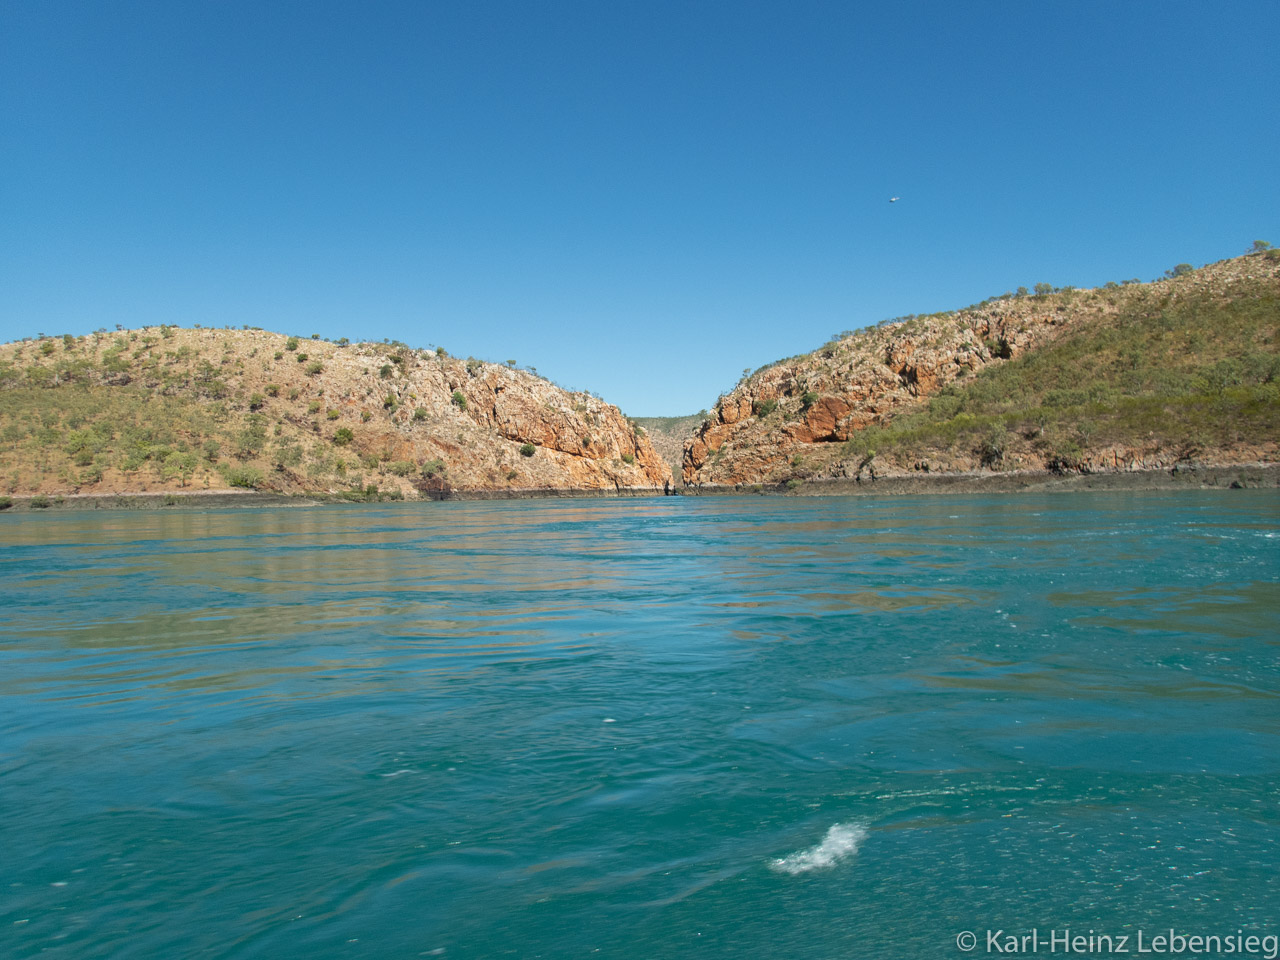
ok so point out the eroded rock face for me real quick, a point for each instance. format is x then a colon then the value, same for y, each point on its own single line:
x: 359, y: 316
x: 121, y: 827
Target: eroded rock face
x: 791, y: 420
x: 481, y: 420
x: 795, y: 407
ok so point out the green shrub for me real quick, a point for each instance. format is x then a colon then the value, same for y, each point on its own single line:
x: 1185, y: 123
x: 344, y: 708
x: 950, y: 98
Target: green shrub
x: 993, y: 444
x: 365, y: 416
x: 6, y: 503
x: 459, y: 400
x: 279, y: 355
x: 288, y: 454
x: 628, y: 458
x: 385, y: 371
x: 250, y: 440
x: 402, y: 468
x: 273, y: 390
x: 808, y: 400
x: 256, y: 401
x: 246, y: 477
x: 40, y: 502
x: 528, y: 450
x: 343, y: 436
x: 313, y: 406
x: 432, y: 467
x: 332, y: 414
x: 389, y: 401
x: 420, y: 413
x: 291, y: 343
x: 181, y: 465
x: 765, y: 407
x: 314, y: 368
x: 302, y: 357
x: 511, y: 474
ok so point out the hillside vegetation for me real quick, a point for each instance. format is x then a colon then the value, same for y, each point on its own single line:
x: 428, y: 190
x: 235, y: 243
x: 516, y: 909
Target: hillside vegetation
x: 164, y: 408
x: 1122, y: 377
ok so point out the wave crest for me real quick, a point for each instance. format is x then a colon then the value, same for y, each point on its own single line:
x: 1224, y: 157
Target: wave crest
x: 841, y: 841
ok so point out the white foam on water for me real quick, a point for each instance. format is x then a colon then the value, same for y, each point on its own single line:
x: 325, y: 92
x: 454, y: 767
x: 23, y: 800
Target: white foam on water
x: 841, y: 841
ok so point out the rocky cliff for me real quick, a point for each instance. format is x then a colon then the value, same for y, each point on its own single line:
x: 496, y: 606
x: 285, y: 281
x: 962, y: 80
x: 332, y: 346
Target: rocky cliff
x: 165, y: 408
x: 922, y: 393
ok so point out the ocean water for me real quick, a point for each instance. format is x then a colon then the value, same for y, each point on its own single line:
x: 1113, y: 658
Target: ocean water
x: 682, y: 727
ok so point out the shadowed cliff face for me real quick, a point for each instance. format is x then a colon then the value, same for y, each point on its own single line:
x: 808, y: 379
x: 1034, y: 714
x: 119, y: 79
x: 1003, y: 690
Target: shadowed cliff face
x: 802, y: 418
x: 166, y: 408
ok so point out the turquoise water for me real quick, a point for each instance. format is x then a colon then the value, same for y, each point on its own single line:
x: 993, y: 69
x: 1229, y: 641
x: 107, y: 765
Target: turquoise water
x: 682, y: 727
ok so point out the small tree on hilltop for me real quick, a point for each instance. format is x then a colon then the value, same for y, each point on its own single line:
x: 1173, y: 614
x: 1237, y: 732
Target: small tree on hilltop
x: 1259, y: 246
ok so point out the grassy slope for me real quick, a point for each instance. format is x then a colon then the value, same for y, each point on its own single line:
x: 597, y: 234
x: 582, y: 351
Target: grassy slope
x: 1195, y: 374
x: 151, y: 409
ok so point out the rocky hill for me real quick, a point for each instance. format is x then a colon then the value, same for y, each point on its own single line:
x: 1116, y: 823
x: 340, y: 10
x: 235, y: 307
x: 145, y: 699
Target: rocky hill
x: 164, y: 408
x: 1123, y: 377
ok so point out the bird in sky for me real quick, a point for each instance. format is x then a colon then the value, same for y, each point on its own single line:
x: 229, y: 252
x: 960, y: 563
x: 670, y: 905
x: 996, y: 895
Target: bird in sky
x: 894, y: 199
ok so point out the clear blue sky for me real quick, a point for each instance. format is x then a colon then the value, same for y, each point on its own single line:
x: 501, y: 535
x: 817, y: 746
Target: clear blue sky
x: 637, y: 198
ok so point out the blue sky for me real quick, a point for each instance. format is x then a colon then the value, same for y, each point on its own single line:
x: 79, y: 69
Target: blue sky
x: 637, y: 198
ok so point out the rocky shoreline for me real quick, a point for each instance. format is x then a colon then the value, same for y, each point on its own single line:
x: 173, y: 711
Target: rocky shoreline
x: 246, y: 498
x: 1181, y: 477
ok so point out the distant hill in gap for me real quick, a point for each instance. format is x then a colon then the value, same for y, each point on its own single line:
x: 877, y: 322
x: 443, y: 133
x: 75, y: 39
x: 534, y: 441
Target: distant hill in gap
x: 669, y: 434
